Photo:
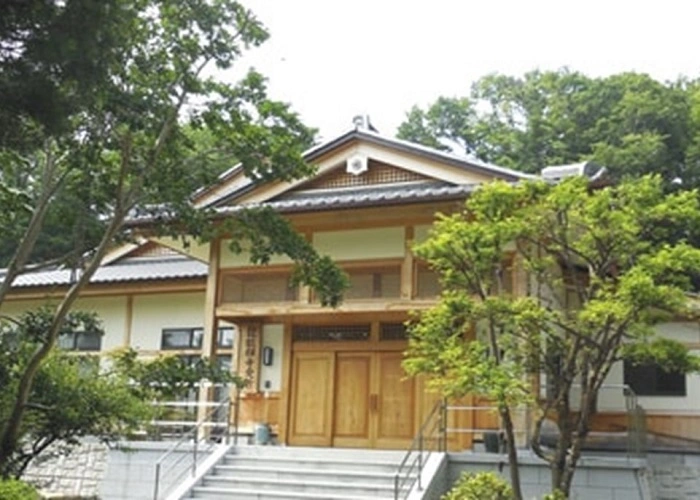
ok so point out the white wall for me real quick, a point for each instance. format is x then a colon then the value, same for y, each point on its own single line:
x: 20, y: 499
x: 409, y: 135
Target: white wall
x: 111, y: 310
x: 272, y: 336
x: 361, y: 244
x: 152, y: 313
x: 229, y: 259
x: 611, y: 399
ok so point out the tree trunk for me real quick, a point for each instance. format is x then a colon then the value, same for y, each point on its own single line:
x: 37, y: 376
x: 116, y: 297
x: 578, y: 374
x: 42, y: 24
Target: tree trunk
x: 11, y: 430
x: 512, y: 453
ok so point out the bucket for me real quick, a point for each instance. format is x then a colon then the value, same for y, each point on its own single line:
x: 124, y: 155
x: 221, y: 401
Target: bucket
x: 262, y: 433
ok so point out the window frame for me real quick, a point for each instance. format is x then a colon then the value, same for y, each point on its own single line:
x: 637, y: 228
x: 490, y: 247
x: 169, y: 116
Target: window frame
x: 645, y: 388
x: 190, y: 346
x: 75, y: 343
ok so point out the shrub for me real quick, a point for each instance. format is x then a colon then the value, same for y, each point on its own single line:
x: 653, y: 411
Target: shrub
x: 13, y: 489
x: 480, y: 486
x: 555, y: 495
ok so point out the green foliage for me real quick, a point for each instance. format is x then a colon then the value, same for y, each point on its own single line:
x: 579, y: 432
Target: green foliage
x: 112, y: 111
x: 629, y: 122
x: 168, y: 377
x: 14, y: 489
x: 555, y: 495
x: 602, y: 270
x: 480, y: 486
x: 73, y: 396
x: 121, y: 103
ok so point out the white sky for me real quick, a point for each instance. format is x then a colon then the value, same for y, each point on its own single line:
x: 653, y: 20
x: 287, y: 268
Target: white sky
x: 333, y: 59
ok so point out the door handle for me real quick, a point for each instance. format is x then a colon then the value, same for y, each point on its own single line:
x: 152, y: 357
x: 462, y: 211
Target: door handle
x: 373, y: 402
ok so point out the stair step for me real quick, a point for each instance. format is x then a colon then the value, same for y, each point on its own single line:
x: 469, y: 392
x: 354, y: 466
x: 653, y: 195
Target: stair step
x: 307, y: 462
x: 300, y: 485
x: 339, y: 475
x: 213, y: 493
x: 324, y: 453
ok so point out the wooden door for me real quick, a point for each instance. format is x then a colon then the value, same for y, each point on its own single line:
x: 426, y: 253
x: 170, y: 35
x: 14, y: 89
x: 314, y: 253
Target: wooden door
x: 312, y: 399
x: 352, y: 399
x: 352, y: 412
x: 394, y: 413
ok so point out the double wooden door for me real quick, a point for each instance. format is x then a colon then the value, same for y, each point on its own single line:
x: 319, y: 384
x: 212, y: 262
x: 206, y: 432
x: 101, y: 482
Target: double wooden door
x: 351, y: 399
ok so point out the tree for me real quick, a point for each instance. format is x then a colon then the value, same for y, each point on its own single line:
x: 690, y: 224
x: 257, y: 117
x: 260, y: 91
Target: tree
x: 593, y: 277
x: 629, y: 122
x: 102, y: 99
x: 73, y: 396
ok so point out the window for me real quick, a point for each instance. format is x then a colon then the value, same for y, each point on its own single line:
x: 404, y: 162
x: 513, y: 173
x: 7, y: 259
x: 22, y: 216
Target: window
x: 225, y: 337
x: 182, y: 338
x: 80, y: 341
x: 374, y: 283
x: 337, y: 333
x: 257, y: 288
x: 392, y: 331
x: 652, y: 380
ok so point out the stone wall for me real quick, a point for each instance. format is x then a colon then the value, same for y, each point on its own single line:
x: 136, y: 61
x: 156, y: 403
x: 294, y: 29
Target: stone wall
x: 77, y: 474
x: 125, y: 472
x: 598, y: 478
x: 675, y: 476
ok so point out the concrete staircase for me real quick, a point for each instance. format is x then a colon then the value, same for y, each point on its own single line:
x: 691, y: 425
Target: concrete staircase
x: 273, y: 472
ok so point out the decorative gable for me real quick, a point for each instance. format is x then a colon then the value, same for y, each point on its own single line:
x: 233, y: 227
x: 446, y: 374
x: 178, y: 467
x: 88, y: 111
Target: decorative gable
x: 377, y: 173
x: 152, y: 249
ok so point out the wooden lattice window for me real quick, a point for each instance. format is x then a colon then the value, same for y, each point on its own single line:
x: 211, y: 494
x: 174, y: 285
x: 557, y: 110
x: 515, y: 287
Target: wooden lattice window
x: 262, y: 287
x: 377, y: 173
x: 427, y: 282
x: 392, y: 331
x: 336, y: 333
x: 374, y: 283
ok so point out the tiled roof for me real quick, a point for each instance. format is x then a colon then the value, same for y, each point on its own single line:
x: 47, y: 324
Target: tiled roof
x: 461, y: 161
x: 130, y: 269
x: 393, y: 194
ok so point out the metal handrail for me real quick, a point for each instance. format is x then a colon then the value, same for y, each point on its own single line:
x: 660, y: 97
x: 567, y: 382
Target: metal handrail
x: 193, y: 435
x: 414, y: 457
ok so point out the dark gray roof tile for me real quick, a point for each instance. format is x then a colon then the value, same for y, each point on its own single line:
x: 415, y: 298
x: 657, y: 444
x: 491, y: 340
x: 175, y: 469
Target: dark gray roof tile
x: 134, y: 269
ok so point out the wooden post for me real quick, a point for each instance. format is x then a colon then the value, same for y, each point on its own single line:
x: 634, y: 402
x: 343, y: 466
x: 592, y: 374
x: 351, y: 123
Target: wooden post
x: 210, y: 325
x: 407, y: 266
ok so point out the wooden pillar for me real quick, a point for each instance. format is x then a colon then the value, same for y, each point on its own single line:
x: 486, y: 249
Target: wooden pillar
x: 286, y: 386
x: 249, y: 369
x: 408, y: 280
x: 128, y: 320
x: 210, y: 322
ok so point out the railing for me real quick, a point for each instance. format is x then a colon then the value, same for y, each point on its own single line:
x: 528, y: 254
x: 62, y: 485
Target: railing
x: 635, y: 432
x: 497, y: 432
x: 172, y: 462
x: 431, y: 437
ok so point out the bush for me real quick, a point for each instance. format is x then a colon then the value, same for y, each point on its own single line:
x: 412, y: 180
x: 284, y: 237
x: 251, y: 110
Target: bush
x: 13, y: 489
x: 480, y: 486
x: 555, y: 495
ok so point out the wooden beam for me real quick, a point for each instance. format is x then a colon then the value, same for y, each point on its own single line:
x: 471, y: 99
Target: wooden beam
x: 283, y: 435
x: 128, y: 320
x: 232, y: 311
x: 408, y: 281
x: 210, y: 296
x: 210, y: 324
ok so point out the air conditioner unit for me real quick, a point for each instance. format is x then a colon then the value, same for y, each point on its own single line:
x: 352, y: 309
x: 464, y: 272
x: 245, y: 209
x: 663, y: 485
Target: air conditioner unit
x: 356, y: 164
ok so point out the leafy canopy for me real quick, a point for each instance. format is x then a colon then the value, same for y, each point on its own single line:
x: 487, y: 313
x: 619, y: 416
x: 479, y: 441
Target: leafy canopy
x: 629, y: 122
x: 73, y: 396
x: 562, y: 280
